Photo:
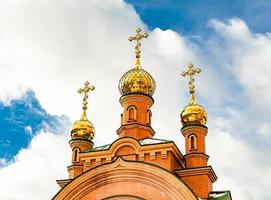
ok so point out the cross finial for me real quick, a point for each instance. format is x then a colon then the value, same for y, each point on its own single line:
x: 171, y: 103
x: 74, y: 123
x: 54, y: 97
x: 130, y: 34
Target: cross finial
x: 85, y: 91
x: 191, y: 72
x: 137, y: 38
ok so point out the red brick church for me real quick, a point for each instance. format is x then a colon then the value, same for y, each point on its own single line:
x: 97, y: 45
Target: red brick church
x: 138, y: 166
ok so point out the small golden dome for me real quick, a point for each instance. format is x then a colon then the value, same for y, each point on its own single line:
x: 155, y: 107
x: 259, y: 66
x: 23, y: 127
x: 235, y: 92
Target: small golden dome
x: 137, y: 80
x: 194, y: 114
x: 83, y: 129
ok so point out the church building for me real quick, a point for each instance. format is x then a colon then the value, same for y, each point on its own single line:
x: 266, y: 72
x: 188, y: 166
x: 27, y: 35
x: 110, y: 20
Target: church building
x: 138, y: 166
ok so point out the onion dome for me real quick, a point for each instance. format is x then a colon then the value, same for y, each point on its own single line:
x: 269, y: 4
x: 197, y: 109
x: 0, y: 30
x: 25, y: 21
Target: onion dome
x: 193, y: 113
x: 137, y: 80
x: 83, y: 128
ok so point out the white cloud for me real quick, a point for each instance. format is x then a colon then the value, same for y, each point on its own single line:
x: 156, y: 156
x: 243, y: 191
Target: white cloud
x: 28, y: 129
x: 239, y: 167
x: 247, y: 56
x: 52, y: 47
x: 36, y: 168
x: 265, y: 130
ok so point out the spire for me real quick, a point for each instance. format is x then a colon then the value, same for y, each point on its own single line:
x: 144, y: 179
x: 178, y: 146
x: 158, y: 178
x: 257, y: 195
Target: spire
x: 137, y: 38
x: 191, y: 72
x: 85, y: 91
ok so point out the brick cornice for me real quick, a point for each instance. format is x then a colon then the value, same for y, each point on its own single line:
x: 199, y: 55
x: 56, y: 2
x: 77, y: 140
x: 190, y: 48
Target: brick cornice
x: 196, y: 154
x: 63, y: 183
x: 135, y: 125
x: 188, y: 126
x: 197, y: 171
x: 135, y: 96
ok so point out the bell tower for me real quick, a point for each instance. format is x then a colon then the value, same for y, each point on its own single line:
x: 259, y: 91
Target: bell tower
x: 136, y: 87
x: 197, y: 175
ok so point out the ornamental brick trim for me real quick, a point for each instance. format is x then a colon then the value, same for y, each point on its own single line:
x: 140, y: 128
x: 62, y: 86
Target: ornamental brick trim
x: 123, y: 177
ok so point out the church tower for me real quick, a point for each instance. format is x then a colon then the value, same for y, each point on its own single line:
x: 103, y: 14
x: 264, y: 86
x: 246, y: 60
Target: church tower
x: 194, y: 130
x: 136, y: 87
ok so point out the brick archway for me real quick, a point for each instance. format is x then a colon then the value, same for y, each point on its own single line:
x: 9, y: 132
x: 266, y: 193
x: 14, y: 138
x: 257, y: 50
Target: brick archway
x: 121, y: 177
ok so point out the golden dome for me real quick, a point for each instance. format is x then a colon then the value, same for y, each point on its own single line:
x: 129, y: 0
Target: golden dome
x: 83, y: 129
x: 194, y: 114
x: 137, y: 80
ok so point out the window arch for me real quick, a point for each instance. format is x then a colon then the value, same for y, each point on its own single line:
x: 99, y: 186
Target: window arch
x: 75, y: 157
x: 192, y: 140
x: 132, y: 113
x: 149, y: 115
x: 121, y: 119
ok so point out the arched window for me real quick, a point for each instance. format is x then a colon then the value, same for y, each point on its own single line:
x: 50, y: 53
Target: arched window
x: 132, y: 112
x: 149, y: 115
x: 192, y: 142
x: 121, y: 119
x: 75, y: 154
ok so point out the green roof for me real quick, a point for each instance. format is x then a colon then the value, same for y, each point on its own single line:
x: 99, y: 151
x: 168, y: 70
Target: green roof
x: 225, y: 195
x: 100, y: 148
x: 147, y: 141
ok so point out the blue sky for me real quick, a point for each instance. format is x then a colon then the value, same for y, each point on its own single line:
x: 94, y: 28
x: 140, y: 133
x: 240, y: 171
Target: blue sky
x: 49, y: 48
x: 20, y: 120
x: 192, y: 16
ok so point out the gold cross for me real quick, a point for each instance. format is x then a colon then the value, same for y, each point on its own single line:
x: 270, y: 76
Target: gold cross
x: 137, y: 38
x: 85, y: 91
x: 191, y: 72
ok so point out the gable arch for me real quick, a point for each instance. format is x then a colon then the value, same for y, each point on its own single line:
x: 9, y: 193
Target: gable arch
x: 120, y: 178
x: 125, y: 142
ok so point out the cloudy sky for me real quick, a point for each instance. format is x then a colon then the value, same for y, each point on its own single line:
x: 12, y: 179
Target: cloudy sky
x: 49, y: 48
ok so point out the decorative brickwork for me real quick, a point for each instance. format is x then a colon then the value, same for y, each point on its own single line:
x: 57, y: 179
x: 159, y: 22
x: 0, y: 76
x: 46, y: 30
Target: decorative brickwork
x: 126, y: 178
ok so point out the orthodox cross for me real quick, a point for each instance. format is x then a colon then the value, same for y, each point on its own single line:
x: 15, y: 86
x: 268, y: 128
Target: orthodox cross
x: 85, y: 91
x: 137, y: 38
x: 191, y: 72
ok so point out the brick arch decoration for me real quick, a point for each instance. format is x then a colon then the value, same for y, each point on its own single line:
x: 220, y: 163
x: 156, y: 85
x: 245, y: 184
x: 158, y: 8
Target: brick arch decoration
x: 126, y: 178
x: 125, y: 142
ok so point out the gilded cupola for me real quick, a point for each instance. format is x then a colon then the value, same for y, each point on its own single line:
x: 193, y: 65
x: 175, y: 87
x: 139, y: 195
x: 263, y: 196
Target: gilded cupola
x: 193, y: 113
x: 137, y: 80
x: 83, y: 129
